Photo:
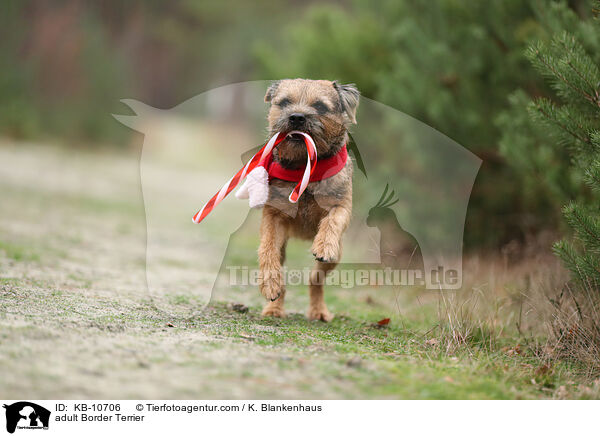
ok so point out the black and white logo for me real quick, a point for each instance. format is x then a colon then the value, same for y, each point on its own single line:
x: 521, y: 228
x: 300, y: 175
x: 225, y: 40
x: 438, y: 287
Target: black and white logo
x: 26, y: 415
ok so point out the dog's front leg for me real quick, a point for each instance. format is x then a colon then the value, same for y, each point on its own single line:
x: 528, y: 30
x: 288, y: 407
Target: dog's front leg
x: 273, y: 235
x: 327, y: 243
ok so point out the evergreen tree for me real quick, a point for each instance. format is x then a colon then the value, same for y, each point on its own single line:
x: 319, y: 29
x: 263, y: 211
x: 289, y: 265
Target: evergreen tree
x: 451, y: 65
x: 546, y: 176
x: 573, y: 121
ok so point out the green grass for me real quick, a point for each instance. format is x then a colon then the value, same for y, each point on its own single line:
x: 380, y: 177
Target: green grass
x: 19, y: 252
x: 394, y: 361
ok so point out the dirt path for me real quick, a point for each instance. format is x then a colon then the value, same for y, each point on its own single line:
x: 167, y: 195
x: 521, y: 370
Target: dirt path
x: 76, y: 319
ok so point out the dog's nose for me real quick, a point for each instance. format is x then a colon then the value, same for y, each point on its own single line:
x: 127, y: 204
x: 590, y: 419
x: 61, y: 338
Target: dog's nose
x: 297, y: 119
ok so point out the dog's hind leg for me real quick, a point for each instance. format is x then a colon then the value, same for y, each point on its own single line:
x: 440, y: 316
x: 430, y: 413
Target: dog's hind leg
x: 317, y: 309
x: 275, y: 308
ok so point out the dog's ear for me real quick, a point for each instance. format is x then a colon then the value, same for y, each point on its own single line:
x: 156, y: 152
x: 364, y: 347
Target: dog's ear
x: 271, y: 91
x: 349, y: 96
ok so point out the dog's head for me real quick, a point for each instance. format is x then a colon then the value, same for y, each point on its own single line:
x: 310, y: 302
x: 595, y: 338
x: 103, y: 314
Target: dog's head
x: 321, y: 108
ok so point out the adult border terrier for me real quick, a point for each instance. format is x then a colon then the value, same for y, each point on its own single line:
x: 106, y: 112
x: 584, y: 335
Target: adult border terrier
x: 324, y: 110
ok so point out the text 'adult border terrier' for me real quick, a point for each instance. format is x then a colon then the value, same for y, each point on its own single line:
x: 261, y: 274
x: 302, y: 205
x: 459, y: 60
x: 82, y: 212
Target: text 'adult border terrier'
x: 324, y: 110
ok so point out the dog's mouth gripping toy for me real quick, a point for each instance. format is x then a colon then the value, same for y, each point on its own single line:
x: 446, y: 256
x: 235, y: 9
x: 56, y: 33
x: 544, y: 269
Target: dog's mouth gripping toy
x: 256, y: 187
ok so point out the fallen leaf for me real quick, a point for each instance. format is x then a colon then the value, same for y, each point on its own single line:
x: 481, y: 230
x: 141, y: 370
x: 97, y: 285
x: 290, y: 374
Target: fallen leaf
x: 381, y: 324
x: 170, y: 325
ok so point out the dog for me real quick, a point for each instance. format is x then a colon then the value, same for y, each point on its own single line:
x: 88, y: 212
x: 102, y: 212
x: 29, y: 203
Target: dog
x: 324, y: 110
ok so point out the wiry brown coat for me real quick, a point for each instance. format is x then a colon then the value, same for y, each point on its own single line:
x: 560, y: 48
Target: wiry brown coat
x: 323, y: 212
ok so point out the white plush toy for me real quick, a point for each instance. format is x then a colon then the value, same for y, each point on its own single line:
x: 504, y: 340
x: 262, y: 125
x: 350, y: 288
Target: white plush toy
x: 255, y: 188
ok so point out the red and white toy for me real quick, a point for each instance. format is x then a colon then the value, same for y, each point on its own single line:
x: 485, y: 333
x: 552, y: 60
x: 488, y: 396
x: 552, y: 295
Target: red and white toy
x: 256, y: 186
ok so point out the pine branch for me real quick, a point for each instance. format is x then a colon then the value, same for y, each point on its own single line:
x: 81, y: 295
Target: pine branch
x: 592, y: 176
x: 567, y: 254
x: 565, y: 52
x: 540, y: 58
x: 575, y: 50
x: 576, y: 79
x: 592, y: 99
x: 539, y: 105
x: 586, y: 227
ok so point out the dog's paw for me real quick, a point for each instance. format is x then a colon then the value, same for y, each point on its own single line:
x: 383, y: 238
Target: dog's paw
x: 319, y: 313
x: 271, y: 285
x: 325, y: 251
x: 274, y: 310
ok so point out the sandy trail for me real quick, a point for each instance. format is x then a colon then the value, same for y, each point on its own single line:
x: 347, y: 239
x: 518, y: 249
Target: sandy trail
x: 76, y: 319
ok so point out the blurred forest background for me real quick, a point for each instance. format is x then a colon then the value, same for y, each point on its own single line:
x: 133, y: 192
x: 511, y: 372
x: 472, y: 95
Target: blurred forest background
x: 460, y: 67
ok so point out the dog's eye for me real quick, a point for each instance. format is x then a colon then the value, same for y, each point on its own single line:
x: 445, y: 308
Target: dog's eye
x: 283, y: 102
x: 320, y: 107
